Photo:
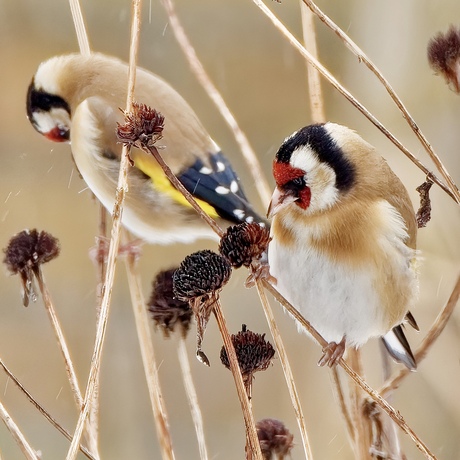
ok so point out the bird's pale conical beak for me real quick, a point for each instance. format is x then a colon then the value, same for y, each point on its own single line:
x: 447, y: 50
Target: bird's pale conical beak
x: 280, y: 199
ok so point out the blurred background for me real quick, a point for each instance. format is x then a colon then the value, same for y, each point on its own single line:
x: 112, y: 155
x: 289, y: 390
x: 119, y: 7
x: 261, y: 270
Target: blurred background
x: 263, y: 80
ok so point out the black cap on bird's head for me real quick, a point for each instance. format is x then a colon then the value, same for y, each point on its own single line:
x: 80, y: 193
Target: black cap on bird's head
x: 299, y: 158
x: 48, y: 113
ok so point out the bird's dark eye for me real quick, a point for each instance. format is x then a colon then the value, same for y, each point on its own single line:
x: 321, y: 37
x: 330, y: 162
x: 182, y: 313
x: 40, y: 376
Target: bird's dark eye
x: 298, y: 182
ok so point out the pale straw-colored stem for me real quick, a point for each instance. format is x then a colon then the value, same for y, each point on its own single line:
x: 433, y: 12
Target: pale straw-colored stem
x: 342, y: 90
x: 337, y: 385
x: 43, y: 411
x: 70, y: 369
x: 148, y: 359
x: 361, y: 425
x: 432, y: 335
x: 122, y: 189
x: 200, y: 73
x: 318, y: 113
x: 352, y: 46
x: 289, y: 377
x: 80, y: 28
x: 192, y: 398
x: 251, y: 431
x: 18, y: 436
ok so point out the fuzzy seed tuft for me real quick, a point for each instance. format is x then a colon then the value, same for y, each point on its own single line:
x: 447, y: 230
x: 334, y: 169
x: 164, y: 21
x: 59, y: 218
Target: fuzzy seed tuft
x: 275, y: 439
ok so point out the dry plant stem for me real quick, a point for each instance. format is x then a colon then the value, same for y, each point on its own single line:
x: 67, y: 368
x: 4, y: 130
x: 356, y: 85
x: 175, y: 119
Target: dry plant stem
x: 363, y: 58
x: 334, y: 373
x: 374, y: 395
x: 236, y: 371
x: 342, y: 90
x: 42, y: 411
x: 175, y: 181
x: 360, y: 424
x: 80, y: 29
x: 295, y: 399
x: 200, y: 73
x: 432, y: 335
x: 148, y: 359
x: 20, y: 439
x: 71, y: 375
x: 122, y: 189
x: 318, y: 113
x: 91, y: 432
x: 192, y: 398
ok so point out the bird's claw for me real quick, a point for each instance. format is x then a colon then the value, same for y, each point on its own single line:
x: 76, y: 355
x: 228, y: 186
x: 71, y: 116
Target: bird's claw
x: 332, y: 353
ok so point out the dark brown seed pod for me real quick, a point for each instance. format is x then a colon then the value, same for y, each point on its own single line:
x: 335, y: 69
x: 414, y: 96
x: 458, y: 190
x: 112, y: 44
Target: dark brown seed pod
x: 275, y: 439
x: 198, y: 281
x: 143, y: 124
x: 167, y: 311
x: 201, y: 274
x: 254, y: 353
x: 24, y: 255
x: 244, y: 243
x: 444, y: 56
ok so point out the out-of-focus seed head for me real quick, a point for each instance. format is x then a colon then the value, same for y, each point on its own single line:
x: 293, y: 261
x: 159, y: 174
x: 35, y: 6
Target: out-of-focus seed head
x: 167, y: 311
x: 444, y: 56
x: 275, y: 439
x: 24, y: 255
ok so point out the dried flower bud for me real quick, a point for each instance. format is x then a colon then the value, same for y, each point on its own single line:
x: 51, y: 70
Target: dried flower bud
x: 142, y: 124
x: 275, y: 439
x: 424, y: 212
x: 444, y: 56
x: 201, y: 274
x: 24, y: 254
x: 198, y: 280
x: 253, y: 352
x: 168, y: 311
x: 244, y: 243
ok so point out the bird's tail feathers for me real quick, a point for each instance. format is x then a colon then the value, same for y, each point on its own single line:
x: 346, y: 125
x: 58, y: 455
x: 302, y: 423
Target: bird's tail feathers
x: 397, y: 345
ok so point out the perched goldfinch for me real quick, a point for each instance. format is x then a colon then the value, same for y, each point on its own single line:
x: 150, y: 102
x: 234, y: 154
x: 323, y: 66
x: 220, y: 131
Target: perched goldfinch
x: 344, y: 235
x: 77, y: 98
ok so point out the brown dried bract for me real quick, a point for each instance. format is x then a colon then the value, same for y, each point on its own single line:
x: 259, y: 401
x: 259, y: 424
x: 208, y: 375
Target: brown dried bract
x: 143, y: 124
x: 167, y: 311
x: 444, y: 56
x: 424, y: 212
x: 275, y: 439
x: 244, y: 243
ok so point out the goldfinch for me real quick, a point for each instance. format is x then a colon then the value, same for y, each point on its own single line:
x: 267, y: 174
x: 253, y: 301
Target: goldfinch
x: 78, y: 98
x: 343, y: 240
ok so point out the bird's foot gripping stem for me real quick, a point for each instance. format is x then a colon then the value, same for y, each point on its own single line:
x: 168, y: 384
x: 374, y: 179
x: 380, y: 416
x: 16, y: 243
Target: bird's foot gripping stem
x: 332, y: 353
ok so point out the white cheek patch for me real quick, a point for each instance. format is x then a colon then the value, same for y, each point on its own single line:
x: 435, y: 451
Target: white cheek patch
x: 319, y: 177
x: 46, y: 121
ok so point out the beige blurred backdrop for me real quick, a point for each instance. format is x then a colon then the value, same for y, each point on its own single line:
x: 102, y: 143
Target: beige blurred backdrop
x: 263, y: 80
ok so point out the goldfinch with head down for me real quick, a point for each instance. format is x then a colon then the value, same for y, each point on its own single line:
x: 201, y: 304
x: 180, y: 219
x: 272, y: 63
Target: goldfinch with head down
x: 78, y: 98
x: 343, y: 240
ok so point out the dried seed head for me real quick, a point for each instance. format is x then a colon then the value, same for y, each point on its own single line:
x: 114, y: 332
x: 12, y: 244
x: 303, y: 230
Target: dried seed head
x: 29, y: 249
x: 254, y: 353
x: 167, y: 311
x: 244, y: 243
x: 202, y: 273
x: 142, y: 124
x: 24, y: 254
x: 275, y: 439
x: 444, y: 56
